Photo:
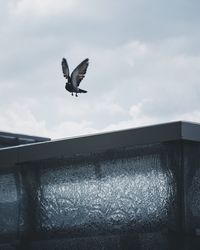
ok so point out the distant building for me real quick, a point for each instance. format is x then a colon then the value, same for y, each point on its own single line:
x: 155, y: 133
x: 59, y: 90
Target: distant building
x: 11, y: 139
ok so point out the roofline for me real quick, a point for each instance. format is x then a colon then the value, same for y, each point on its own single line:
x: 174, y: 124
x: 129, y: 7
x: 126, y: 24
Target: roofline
x: 103, y: 141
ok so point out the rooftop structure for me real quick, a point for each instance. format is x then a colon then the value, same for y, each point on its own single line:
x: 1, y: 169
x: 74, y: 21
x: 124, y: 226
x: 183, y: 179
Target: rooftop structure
x: 137, y: 187
x: 11, y: 139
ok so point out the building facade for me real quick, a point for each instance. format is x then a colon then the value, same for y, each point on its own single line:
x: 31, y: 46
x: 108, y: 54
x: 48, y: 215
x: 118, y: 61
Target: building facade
x: 130, y: 189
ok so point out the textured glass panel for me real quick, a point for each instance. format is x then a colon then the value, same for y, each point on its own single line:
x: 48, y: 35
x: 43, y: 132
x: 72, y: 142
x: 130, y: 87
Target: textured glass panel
x: 194, y: 194
x: 8, y: 204
x: 192, y: 186
x: 102, y: 196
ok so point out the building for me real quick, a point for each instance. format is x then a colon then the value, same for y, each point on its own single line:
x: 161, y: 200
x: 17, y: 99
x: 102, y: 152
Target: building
x: 131, y: 189
x: 11, y: 139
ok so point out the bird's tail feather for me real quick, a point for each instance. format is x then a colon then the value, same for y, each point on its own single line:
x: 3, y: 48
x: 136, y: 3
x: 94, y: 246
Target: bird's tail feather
x: 82, y: 91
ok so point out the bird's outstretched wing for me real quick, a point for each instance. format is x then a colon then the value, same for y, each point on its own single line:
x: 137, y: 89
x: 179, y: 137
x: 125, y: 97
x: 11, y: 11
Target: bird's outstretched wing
x: 79, y: 72
x: 65, y: 68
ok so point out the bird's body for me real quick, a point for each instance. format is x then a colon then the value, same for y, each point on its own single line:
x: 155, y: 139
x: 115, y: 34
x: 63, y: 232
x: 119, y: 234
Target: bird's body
x: 73, y: 80
x: 69, y: 87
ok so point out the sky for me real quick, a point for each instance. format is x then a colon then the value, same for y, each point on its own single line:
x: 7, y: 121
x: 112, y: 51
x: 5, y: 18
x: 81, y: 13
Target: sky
x: 144, y: 64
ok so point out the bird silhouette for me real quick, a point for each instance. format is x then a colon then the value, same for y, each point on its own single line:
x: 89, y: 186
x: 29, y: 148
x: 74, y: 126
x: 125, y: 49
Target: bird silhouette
x: 77, y: 75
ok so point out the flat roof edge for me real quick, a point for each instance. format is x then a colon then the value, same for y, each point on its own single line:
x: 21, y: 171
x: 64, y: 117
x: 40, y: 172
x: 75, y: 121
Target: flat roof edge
x: 190, y: 131
x: 103, y: 141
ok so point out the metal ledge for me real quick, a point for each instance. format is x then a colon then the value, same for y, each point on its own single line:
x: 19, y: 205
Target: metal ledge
x: 98, y: 142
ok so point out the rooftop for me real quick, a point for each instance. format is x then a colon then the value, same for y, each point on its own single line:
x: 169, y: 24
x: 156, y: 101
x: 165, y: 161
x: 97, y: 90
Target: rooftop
x: 42, y: 148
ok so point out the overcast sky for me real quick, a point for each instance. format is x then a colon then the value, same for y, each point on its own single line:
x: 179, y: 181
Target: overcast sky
x: 144, y: 64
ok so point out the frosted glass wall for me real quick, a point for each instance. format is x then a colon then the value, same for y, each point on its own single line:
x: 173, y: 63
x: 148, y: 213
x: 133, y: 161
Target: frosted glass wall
x: 106, y: 196
x: 98, y: 197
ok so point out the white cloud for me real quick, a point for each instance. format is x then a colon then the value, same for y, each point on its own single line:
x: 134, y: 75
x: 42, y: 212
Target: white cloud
x: 140, y: 72
x: 18, y: 118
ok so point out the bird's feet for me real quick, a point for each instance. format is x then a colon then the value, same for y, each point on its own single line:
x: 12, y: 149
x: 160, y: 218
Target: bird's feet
x: 72, y: 94
x: 76, y: 95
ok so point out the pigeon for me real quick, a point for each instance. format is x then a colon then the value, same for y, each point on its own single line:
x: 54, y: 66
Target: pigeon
x: 73, y: 80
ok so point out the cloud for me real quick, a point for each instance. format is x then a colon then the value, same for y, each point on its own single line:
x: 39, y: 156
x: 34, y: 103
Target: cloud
x: 143, y: 83
x: 19, y: 118
x: 144, y: 64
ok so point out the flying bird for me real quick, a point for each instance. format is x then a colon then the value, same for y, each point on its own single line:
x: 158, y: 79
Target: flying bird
x: 73, y: 80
